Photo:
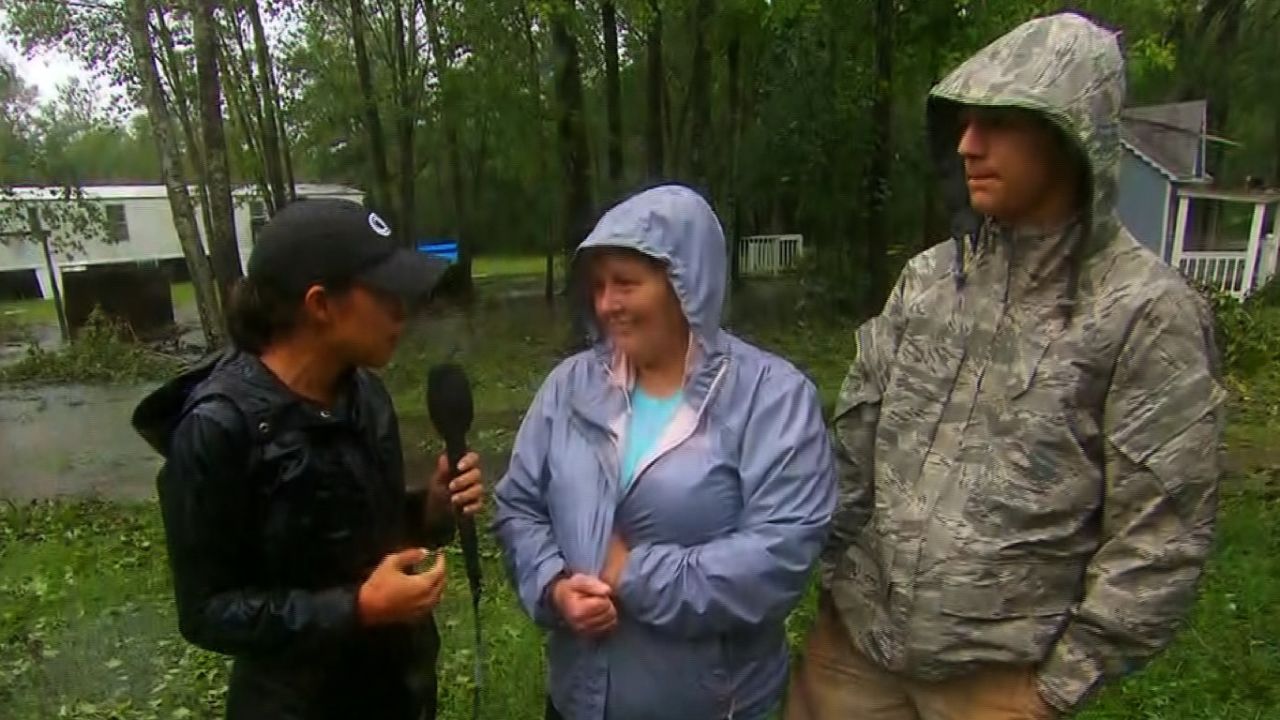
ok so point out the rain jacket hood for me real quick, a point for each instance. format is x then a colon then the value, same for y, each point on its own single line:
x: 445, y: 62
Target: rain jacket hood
x: 724, y: 517
x: 1069, y: 71
x: 1021, y: 485
x: 673, y: 224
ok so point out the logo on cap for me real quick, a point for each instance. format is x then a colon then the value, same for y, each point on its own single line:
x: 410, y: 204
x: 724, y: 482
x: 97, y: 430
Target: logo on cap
x: 379, y: 225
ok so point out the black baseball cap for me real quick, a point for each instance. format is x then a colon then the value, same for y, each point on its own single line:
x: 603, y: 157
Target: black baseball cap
x: 319, y: 240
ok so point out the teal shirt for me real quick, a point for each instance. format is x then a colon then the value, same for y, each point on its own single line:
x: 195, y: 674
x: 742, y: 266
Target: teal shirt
x: 649, y: 418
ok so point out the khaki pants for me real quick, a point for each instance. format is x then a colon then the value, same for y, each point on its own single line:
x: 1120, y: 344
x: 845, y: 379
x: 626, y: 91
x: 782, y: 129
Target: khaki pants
x: 834, y: 681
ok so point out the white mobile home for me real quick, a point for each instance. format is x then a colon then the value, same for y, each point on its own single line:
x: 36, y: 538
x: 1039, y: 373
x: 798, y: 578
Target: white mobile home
x: 141, y: 225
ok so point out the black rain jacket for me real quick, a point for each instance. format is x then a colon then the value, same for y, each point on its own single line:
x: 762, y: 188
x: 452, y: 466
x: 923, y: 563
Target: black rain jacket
x: 275, y: 512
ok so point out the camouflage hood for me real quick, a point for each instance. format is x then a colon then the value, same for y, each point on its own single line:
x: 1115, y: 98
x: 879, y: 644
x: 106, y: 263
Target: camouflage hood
x: 1063, y: 67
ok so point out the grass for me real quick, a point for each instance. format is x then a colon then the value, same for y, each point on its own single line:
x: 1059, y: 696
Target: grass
x: 29, y: 312
x: 87, y: 627
x: 86, y: 620
x: 490, y: 266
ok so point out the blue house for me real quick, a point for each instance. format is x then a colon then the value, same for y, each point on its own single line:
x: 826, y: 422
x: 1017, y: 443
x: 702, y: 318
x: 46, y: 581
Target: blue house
x: 1225, y: 237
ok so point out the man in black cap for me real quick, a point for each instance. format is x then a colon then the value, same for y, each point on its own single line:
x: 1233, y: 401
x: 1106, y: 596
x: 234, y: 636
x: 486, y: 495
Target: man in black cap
x: 292, y: 537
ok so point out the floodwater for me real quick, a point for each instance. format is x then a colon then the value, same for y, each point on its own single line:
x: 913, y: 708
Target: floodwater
x: 74, y: 439
x: 78, y: 439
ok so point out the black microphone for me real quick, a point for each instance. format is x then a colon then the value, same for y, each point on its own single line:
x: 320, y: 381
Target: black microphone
x: 450, y: 407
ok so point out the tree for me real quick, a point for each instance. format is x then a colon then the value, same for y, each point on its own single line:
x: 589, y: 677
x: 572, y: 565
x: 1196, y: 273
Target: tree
x: 699, y: 99
x: 381, y: 190
x: 448, y: 121
x: 152, y: 93
x: 613, y: 90
x: 655, y: 85
x: 575, y: 162
x: 275, y: 143
x: 222, y: 228
x: 55, y: 214
x: 877, y: 181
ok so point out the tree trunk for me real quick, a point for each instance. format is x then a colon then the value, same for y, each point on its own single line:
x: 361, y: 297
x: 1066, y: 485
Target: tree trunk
x: 222, y: 233
x: 381, y: 195
x: 290, y: 182
x: 406, y: 116
x: 233, y: 84
x: 184, y: 219
x: 574, y: 155
x: 183, y: 88
x: 877, y: 179
x: 452, y: 151
x: 613, y: 91
x: 656, y: 82
x: 250, y: 111
x: 733, y: 56
x: 700, y: 140
x: 271, y: 149
x: 535, y: 85
x: 935, y: 225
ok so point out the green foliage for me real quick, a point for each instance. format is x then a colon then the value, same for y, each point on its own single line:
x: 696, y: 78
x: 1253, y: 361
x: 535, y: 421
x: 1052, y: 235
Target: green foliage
x: 103, y: 351
x: 1248, y: 333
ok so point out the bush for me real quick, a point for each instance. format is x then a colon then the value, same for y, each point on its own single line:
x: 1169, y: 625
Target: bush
x: 1248, y: 333
x: 104, y: 351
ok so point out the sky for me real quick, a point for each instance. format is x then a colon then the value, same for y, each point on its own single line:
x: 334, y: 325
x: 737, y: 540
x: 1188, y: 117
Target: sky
x: 45, y: 71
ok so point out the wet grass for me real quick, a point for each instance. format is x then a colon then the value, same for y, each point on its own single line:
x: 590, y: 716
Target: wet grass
x: 87, y: 628
x: 86, y: 619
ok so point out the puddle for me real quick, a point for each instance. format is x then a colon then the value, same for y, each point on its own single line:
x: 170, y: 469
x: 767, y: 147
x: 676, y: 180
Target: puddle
x: 77, y: 439
x: 74, y: 440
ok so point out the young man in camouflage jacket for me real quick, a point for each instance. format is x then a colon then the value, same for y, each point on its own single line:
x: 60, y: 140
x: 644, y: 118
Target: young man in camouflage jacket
x: 1027, y: 439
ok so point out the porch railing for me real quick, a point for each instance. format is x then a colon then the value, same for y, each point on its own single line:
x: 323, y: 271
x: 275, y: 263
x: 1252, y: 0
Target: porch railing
x: 769, y: 254
x: 1224, y: 271
x: 1237, y: 272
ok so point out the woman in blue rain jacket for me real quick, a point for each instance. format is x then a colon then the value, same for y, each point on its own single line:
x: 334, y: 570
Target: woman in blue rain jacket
x: 670, y: 487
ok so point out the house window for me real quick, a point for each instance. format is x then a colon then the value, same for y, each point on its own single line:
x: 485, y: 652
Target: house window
x: 117, y: 223
x: 257, y: 217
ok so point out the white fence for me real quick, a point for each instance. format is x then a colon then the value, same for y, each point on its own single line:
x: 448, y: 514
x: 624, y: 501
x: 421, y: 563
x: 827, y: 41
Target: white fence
x: 1234, y: 272
x: 769, y: 254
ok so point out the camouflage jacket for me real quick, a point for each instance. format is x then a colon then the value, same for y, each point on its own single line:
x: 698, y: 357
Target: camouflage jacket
x: 1027, y: 439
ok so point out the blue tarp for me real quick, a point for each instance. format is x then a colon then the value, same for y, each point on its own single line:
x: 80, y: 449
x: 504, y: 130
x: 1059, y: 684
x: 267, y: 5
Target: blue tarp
x: 440, y: 247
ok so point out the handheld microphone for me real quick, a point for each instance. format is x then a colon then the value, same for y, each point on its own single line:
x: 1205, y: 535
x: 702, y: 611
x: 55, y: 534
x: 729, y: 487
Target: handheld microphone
x: 450, y: 406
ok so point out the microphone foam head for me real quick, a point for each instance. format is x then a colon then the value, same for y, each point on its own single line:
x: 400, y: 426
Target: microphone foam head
x: 449, y: 400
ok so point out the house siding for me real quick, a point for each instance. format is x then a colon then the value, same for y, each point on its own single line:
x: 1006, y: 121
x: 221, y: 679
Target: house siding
x: 1143, y: 202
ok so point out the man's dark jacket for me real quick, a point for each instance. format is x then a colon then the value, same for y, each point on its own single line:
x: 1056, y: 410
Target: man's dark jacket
x: 275, y: 512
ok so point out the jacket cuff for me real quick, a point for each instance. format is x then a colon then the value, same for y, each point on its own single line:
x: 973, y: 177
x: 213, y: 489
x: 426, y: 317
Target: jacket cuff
x: 545, y: 611
x: 1069, y: 677
x: 338, y: 609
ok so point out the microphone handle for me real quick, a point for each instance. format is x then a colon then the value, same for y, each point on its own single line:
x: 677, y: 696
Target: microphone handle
x: 456, y: 448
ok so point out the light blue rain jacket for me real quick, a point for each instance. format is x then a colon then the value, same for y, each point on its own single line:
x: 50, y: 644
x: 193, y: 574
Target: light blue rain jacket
x: 725, y: 517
